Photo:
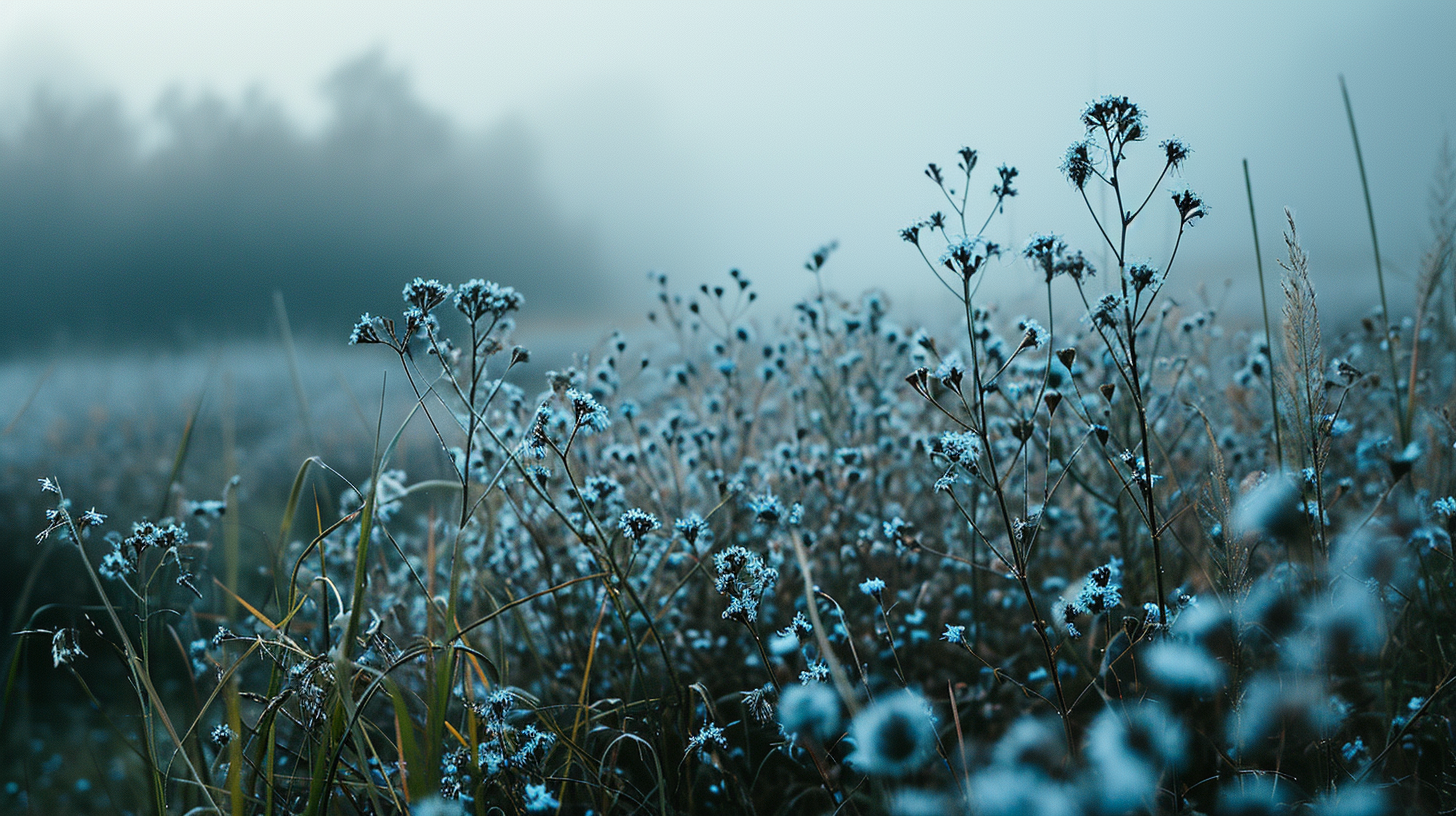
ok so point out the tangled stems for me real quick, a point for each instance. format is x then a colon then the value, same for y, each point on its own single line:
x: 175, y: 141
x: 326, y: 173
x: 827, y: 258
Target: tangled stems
x: 1118, y: 122
x: 1018, y: 553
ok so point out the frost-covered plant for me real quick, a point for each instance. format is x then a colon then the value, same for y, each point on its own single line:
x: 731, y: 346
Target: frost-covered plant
x: 833, y: 563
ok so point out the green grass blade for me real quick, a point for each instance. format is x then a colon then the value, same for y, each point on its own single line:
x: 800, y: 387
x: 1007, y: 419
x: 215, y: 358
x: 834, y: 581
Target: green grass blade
x: 293, y: 371
x: 1402, y: 420
x: 181, y: 458
x: 1268, y: 331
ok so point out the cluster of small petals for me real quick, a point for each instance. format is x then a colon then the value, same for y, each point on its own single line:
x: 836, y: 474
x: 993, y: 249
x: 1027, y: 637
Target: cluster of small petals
x: 1191, y: 206
x: 1077, y: 166
x: 1142, y: 276
x: 966, y: 255
x: 417, y: 320
x: 1065, y: 615
x: 537, y: 799
x: 637, y: 523
x: 1105, y: 313
x: 590, y: 415
x: 1034, y: 335
x: 960, y: 447
x: 425, y: 295
x: 817, y: 672
x: 1115, y: 115
x: 365, y: 331
x: 1049, y: 254
x: 693, y: 528
x: 600, y: 489
x: 478, y: 298
x: 873, y: 587
x: 767, y: 509
x: 536, y: 439
x: 1176, y: 152
x: 798, y: 626
x: 1004, y: 189
x: 744, y: 578
x: 709, y: 735
x: 1102, y: 588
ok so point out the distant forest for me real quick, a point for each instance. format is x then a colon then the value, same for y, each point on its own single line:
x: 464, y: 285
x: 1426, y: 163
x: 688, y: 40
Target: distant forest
x: 103, y: 239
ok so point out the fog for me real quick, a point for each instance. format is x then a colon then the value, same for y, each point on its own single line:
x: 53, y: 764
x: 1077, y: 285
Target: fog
x: 103, y: 240
x: 165, y: 169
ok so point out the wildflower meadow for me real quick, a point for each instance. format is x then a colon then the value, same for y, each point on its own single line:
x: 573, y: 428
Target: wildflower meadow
x: 1122, y: 555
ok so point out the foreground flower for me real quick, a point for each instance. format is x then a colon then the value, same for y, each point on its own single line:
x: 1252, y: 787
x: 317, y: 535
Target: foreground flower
x: 893, y: 737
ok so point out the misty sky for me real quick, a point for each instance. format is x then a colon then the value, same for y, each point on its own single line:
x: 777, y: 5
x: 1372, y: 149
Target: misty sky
x: 173, y: 163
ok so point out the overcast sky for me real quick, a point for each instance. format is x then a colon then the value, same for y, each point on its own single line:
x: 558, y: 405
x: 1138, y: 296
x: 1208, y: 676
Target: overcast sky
x: 693, y: 137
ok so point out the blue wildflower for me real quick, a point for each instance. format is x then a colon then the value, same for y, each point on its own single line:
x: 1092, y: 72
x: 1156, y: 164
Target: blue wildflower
x: 590, y: 415
x: 873, y: 587
x: 636, y: 523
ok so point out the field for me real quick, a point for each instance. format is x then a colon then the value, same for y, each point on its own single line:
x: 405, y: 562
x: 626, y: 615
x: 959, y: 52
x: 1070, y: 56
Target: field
x: 1118, y: 557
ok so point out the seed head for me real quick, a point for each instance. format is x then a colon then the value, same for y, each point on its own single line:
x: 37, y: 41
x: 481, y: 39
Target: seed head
x: 590, y: 415
x: 425, y: 295
x: 1190, y: 206
x: 65, y: 647
x: 365, y: 331
x: 1118, y: 117
x: 478, y: 298
x: 637, y: 523
x: 1077, y: 164
x: 1176, y: 152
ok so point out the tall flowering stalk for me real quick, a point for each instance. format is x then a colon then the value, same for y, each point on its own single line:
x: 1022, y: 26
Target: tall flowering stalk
x: 1112, y: 124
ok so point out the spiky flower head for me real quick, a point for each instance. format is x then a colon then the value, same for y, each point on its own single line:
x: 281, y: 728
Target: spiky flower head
x: 477, y: 298
x: 637, y: 523
x: 365, y: 331
x: 1077, y: 165
x: 744, y: 578
x: 1116, y: 116
x: 590, y: 415
x: 1190, y: 206
x: 425, y: 295
x: 1176, y: 152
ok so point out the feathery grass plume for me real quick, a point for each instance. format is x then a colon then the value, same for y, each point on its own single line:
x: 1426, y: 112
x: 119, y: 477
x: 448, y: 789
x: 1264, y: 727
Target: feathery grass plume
x: 1304, y: 373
